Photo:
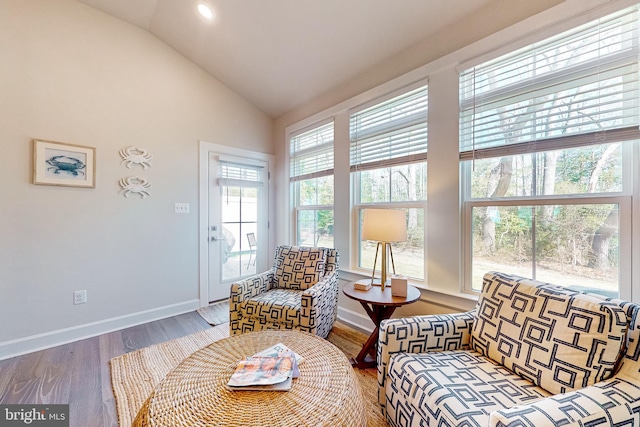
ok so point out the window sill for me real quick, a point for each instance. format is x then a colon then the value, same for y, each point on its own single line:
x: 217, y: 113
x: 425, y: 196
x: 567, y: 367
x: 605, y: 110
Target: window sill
x: 456, y: 301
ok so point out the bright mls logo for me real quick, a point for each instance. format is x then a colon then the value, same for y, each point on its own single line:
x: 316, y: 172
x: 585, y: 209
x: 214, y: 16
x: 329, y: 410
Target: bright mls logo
x: 34, y: 415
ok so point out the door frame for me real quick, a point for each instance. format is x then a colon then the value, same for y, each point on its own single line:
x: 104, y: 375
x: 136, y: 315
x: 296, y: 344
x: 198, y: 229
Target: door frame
x: 205, y: 149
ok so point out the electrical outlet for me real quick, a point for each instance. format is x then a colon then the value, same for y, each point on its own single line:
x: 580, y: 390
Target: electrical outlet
x: 182, y: 208
x: 80, y: 297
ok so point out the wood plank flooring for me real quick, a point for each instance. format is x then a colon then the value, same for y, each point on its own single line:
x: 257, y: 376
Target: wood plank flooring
x: 78, y: 373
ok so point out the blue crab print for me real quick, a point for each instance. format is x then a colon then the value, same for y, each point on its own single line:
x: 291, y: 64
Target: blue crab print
x: 65, y: 164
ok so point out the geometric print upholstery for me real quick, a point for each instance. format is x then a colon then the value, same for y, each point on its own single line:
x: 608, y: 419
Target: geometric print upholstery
x: 299, y: 267
x: 240, y: 293
x: 614, y: 402
x: 425, y: 381
x: 319, y: 303
x: 420, y: 334
x: 559, y: 339
x: 276, y: 305
x: 452, y: 388
x: 630, y: 363
x: 258, y: 303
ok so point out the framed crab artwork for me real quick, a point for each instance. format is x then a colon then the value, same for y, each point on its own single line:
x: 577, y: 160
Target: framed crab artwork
x: 58, y: 163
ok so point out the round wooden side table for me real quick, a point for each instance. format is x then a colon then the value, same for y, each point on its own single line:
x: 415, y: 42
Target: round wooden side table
x: 379, y: 306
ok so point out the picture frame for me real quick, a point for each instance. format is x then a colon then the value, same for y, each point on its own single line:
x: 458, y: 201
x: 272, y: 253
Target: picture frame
x: 59, y: 163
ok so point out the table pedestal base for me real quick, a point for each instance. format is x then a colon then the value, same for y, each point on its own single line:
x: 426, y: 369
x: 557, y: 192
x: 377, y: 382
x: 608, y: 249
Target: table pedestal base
x: 368, y: 362
x: 379, y: 304
x: 367, y: 356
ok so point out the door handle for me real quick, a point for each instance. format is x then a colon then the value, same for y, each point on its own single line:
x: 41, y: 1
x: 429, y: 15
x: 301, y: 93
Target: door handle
x: 215, y: 239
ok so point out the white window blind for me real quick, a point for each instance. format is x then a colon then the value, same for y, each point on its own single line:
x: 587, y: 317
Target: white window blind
x: 312, y: 153
x: 391, y: 132
x: 577, y: 88
x: 240, y: 175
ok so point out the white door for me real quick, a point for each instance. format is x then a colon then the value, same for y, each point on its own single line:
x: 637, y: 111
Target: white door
x: 238, y: 221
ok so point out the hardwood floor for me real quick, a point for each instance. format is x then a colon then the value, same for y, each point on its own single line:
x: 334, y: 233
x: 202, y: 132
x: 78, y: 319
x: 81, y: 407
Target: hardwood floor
x: 78, y: 373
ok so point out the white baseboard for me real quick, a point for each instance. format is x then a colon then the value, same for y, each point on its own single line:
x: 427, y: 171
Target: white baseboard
x: 46, y: 340
x: 356, y: 320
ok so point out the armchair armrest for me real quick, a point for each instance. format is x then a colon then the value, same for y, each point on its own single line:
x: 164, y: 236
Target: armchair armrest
x: 319, y: 306
x: 420, y: 334
x: 613, y: 402
x: 245, y: 289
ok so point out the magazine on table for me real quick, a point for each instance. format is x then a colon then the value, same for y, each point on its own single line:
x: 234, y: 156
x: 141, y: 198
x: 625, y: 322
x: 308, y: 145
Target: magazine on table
x: 278, y: 349
x: 271, y: 369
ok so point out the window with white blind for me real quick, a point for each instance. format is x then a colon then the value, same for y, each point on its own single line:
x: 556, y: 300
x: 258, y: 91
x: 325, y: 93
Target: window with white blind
x: 544, y: 134
x: 241, y: 175
x: 388, y: 153
x: 311, y: 177
x: 390, y: 132
x: 576, y: 89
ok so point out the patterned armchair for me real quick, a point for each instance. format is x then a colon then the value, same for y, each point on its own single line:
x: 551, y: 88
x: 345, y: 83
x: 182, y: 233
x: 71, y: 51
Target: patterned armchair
x: 299, y: 292
x: 529, y: 354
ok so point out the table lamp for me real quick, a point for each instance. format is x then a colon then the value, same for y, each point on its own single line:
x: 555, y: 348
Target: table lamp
x: 384, y: 226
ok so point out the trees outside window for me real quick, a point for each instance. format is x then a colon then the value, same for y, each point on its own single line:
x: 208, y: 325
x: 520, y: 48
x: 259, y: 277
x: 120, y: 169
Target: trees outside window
x: 314, y: 225
x: 400, y: 187
x: 388, y: 147
x: 543, y: 135
x: 547, y: 135
x: 311, y: 176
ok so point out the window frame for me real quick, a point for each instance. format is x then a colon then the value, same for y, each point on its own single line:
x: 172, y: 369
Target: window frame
x: 444, y: 282
x: 297, y: 208
x: 525, y: 92
x: 356, y: 205
x: 295, y: 182
x: 623, y: 198
x: 357, y: 210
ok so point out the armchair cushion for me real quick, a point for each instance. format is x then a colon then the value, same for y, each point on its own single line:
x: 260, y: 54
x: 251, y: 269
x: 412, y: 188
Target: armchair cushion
x: 558, y: 339
x: 453, y: 388
x: 299, y: 267
x: 276, y: 305
x: 614, y: 402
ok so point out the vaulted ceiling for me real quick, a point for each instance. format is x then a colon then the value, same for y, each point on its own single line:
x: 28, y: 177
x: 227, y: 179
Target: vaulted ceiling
x: 279, y: 54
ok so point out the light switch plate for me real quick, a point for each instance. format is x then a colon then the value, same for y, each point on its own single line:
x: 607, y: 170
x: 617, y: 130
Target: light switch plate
x: 182, y: 208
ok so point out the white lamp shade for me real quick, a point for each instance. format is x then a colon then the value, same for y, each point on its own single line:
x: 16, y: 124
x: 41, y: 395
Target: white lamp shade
x: 384, y: 225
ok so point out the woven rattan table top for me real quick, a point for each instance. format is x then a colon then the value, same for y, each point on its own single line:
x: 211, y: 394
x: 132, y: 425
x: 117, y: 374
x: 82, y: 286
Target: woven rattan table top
x: 327, y: 392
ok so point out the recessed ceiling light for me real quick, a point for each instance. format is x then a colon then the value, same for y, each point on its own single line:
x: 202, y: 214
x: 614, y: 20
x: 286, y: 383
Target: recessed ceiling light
x: 205, y: 11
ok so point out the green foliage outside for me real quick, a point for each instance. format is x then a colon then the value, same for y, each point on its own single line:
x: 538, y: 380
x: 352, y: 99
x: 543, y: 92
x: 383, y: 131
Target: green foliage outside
x: 578, y: 239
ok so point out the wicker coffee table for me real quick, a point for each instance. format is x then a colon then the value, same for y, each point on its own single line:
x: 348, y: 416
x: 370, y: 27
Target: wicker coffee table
x: 327, y: 392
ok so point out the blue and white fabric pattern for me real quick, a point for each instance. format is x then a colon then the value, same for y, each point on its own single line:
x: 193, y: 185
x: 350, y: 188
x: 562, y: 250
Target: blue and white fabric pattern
x: 453, y: 387
x: 299, y: 267
x: 274, y: 300
x: 530, y: 354
x: 559, y: 339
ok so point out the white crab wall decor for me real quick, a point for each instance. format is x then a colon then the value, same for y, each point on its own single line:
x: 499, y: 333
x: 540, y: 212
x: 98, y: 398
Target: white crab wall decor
x: 135, y: 156
x: 135, y: 185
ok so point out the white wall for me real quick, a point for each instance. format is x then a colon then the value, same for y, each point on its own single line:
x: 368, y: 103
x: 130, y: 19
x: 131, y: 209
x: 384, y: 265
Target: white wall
x: 70, y: 73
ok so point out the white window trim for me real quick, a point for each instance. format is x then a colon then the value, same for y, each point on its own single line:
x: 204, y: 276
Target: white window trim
x: 294, y: 182
x: 630, y: 132
x: 623, y: 199
x: 441, y: 280
x: 356, y: 206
